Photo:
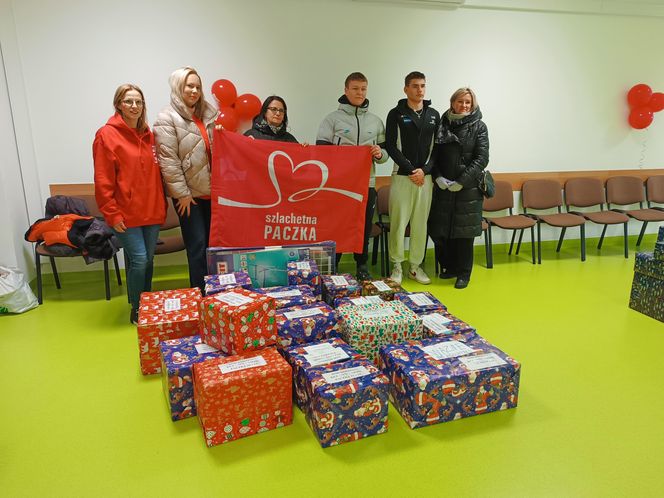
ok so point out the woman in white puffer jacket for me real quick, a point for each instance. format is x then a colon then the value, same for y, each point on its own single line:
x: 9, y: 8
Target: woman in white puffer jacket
x: 183, y: 134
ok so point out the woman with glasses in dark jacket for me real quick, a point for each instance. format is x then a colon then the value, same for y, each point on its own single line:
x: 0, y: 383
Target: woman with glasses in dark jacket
x: 272, y: 122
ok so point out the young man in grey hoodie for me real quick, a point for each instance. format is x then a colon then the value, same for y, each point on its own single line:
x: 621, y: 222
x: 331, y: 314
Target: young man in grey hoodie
x: 353, y: 124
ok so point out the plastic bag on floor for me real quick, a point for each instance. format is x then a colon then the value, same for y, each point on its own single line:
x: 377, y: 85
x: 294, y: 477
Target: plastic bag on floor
x: 15, y: 293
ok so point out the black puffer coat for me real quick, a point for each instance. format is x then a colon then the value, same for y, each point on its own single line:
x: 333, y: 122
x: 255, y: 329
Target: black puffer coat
x: 461, y: 154
x: 262, y: 131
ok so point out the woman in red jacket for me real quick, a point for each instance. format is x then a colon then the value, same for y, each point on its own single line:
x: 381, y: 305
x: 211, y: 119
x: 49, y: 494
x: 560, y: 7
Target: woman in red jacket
x: 128, y: 187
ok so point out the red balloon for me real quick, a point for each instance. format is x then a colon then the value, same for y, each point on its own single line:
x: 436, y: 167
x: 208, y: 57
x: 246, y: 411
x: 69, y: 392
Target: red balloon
x: 227, y: 118
x: 247, y: 106
x: 225, y: 92
x: 640, y: 117
x: 639, y: 95
x: 656, y: 102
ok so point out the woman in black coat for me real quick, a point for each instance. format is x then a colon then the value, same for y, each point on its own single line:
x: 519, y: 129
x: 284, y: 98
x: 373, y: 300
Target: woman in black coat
x: 272, y: 122
x: 461, y: 154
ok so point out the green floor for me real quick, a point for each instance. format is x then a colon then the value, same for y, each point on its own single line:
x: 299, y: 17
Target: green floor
x: 78, y: 419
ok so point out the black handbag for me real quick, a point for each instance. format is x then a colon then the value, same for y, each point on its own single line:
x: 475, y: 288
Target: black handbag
x: 487, y: 186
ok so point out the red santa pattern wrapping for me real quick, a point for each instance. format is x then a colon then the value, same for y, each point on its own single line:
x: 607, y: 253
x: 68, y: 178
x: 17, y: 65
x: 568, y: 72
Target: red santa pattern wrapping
x: 162, y: 315
x: 243, y: 395
x: 238, y: 321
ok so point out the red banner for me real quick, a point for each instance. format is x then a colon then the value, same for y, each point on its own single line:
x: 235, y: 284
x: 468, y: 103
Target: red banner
x: 267, y: 193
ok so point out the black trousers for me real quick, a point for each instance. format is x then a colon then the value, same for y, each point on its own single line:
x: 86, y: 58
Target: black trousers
x: 196, y: 234
x: 455, y: 256
x: 363, y: 257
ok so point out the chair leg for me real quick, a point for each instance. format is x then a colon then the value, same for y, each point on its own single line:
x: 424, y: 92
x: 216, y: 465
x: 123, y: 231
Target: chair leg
x: 560, y: 240
x: 488, y: 248
x: 374, y: 254
x: 583, y: 242
x: 117, y: 268
x: 601, y: 237
x: 643, y: 230
x: 55, y: 272
x: 512, y: 242
x: 107, y: 281
x: 518, y: 246
x: 625, y: 239
x: 532, y: 242
x: 539, y: 243
x: 39, y: 276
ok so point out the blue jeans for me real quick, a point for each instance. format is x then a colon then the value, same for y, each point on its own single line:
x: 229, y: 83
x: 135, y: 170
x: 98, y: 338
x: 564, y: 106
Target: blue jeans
x: 196, y: 234
x: 139, y: 244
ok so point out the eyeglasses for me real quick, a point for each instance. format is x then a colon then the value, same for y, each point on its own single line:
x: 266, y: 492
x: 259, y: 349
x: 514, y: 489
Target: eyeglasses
x: 276, y: 110
x: 131, y: 102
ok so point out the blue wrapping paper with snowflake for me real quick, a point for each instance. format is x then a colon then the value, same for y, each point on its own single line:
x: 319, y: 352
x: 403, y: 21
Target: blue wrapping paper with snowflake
x: 215, y: 284
x: 305, y: 323
x: 347, y: 401
x: 441, y: 379
x: 305, y: 273
x: 420, y: 302
x: 337, y: 286
x: 439, y: 323
x: 289, y: 295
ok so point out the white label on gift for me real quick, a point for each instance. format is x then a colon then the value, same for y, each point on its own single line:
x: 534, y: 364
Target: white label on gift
x: 234, y: 366
x: 227, y: 278
x: 448, y: 349
x: 436, y: 323
x: 303, y: 265
x: 324, y: 354
x: 339, y: 280
x: 172, y: 304
x: 302, y: 313
x: 381, y: 286
x: 233, y: 298
x: 381, y: 313
x: 288, y: 293
x: 420, y: 299
x: 481, y: 361
x: 204, y: 348
x: 346, y: 374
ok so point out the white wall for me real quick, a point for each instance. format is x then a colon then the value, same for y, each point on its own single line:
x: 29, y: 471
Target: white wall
x: 551, y: 85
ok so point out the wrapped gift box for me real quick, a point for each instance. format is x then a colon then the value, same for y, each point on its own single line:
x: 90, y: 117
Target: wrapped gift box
x: 316, y: 354
x: 646, y: 264
x: 369, y: 326
x: 420, y: 302
x: 226, y: 281
x: 290, y: 295
x: 647, y: 296
x: 444, y: 323
x: 356, y: 301
x: 238, y: 396
x: 337, y: 286
x: 385, y: 288
x: 163, y: 315
x: 305, y: 323
x: 442, y: 379
x: 347, y: 401
x: 237, y: 321
x: 304, y: 273
x: 658, y: 253
x: 177, y: 359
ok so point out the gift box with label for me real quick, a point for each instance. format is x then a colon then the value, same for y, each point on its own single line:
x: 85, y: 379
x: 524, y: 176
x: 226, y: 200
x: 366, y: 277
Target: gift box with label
x: 444, y: 323
x: 441, y: 379
x: 356, y: 301
x: 177, y: 359
x: 385, y: 288
x: 337, y: 286
x: 226, y: 281
x: 315, y: 354
x: 647, y: 294
x: 304, y: 273
x: 163, y: 315
x: 420, y: 302
x: 289, y: 295
x: 369, y: 326
x: 241, y: 395
x: 237, y: 321
x: 305, y: 323
x: 347, y: 401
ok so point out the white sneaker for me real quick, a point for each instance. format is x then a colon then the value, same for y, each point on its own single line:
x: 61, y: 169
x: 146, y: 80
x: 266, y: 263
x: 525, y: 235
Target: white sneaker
x: 416, y: 273
x: 397, y: 273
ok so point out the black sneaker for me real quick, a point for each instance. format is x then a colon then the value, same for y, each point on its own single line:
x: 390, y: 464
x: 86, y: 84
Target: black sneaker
x: 447, y: 274
x: 363, y: 274
x: 133, y: 317
x: 461, y: 283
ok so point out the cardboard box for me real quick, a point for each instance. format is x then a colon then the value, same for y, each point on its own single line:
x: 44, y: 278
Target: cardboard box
x: 177, y: 359
x: 347, y: 401
x: 444, y: 323
x: 442, y: 379
x: 386, y: 288
x: 226, y: 281
x: 290, y: 295
x: 305, y: 323
x: 337, y: 286
x: 238, y: 321
x: 420, y: 302
x: 368, y: 327
x: 305, y: 273
x: 163, y: 315
x: 238, y: 396
x: 357, y: 301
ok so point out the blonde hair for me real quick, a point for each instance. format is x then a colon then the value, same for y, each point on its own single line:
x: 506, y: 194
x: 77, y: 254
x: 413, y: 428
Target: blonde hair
x: 122, y: 90
x: 463, y: 91
x: 177, y: 81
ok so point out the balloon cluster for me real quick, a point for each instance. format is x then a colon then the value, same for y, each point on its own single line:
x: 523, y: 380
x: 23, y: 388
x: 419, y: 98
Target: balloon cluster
x: 643, y: 104
x: 234, y: 108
